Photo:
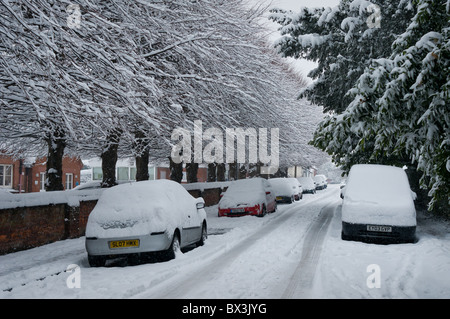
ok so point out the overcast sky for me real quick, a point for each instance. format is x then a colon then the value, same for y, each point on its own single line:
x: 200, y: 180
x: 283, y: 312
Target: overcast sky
x: 302, y: 66
x: 295, y: 5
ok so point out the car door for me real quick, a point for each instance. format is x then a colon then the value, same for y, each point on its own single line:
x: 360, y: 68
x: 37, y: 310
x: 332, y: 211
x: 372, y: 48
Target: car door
x: 194, y: 223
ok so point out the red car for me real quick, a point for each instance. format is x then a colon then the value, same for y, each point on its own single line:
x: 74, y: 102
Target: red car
x: 248, y: 197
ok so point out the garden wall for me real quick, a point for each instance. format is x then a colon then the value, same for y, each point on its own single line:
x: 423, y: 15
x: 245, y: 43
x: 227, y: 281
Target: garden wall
x: 32, y: 220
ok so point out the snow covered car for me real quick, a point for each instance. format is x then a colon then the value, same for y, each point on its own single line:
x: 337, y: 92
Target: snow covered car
x: 321, y: 181
x: 378, y: 205
x: 143, y: 217
x: 298, y: 190
x: 252, y: 196
x: 308, y: 185
x: 284, y: 189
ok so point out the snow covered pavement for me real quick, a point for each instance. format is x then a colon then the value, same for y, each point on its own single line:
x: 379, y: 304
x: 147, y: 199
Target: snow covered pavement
x: 294, y: 253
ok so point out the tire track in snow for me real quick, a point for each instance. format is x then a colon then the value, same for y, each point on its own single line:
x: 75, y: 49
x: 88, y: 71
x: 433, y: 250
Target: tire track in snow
x: 180, y: 287
x: 302, y: 279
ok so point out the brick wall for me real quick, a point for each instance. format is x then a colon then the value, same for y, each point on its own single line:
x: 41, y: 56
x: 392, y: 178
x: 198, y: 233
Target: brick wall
x: 27, y: 227
x: 86, y: 208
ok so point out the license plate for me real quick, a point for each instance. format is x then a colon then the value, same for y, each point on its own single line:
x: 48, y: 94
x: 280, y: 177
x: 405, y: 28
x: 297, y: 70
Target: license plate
x: 124, y: 243
x: 383, y: 229
x: 237, y: 210
x: 279, y: 198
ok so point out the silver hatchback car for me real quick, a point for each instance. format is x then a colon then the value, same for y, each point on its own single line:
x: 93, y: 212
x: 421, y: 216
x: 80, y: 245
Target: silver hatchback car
x: 144, y: 217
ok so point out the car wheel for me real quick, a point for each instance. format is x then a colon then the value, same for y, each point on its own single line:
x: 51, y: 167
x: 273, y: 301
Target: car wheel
x: 275, y: 208
x: 263, y: 211
x: 96, y: 261
x: 204, y: 236
x: 174, y: 247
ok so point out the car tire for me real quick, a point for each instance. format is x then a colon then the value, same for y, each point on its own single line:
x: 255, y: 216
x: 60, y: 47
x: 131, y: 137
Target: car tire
x: 96, y: 261
x: 275, y: 208
x: 174, y: 247
x: 263, y: 211
x: 204, y: 236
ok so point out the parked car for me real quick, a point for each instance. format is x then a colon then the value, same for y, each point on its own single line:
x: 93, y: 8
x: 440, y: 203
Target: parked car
x: 378, y: 205
x: 138, y: 218
x: 321, y: 181
x: 308, y: 185
x: 252, y: 196
x: 284, y: 189
x: 297, y: 188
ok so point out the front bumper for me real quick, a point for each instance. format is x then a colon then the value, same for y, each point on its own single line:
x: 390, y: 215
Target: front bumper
x: 359, y: 232
x: 147, y: 243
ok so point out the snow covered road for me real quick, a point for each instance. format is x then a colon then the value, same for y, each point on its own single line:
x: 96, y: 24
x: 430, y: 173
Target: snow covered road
x: 294, y: 253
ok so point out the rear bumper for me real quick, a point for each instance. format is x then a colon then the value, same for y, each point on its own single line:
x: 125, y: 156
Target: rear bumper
x: 237, y: 212
x: 147, y: 243
x: 284, y: 199
x: 360, y: 232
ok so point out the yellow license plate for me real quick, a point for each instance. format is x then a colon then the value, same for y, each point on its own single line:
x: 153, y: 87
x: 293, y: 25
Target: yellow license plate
x: 124, y: 243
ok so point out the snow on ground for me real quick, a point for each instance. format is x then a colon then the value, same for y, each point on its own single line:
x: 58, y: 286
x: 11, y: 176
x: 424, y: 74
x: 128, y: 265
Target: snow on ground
x: 419, y: 270
x: 245, y: 257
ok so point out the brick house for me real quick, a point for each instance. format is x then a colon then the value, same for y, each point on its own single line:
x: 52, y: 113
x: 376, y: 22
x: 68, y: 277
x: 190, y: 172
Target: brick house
x: 28, y: 174
x: 126, y: 170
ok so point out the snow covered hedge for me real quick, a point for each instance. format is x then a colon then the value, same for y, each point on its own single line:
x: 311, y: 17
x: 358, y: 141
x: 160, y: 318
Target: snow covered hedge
x: 393, y: 107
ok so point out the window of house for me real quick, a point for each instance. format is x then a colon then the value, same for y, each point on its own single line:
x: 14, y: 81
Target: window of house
x: 97, y: 174
x: 69, y: 180
x: 122, y: 173
x: 151, y: 173
x: 133, y: 173
x: 6, y: 176
x: 42, y: 181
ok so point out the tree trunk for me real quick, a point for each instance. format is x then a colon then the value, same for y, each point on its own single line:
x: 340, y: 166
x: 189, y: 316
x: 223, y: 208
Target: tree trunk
x: 211, y: 172
x: 221, y: 172
x: 142, y: 166
x: 253, y: 170
x: 176, y: 170
x: 242, y: 171
x: 191, y: 172
x: 56, y: 145
x: 233, y: 171
x: 109, y: 160
x: 142, y: 156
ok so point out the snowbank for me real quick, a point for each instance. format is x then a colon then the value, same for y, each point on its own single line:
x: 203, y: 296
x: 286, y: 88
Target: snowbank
x: 139, y: 209
x: 378, y: 194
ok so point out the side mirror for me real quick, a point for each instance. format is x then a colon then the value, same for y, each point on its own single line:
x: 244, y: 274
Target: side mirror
x: 200, y: 203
